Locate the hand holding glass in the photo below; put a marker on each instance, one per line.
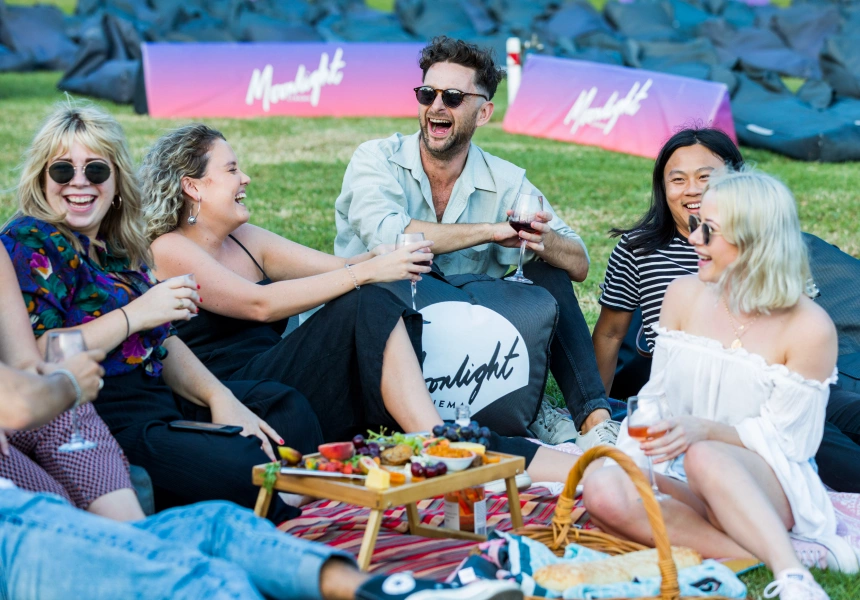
(525, 209)
(642, 413)
(403, 239)
(63, 345)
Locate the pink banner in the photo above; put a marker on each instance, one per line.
(262, 79)
(617, 108)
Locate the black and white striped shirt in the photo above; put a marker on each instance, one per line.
(634, 279)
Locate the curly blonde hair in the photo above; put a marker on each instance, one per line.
(183, 152)
(99, 132)
(759, 215)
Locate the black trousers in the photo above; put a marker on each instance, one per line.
(187, 467)
(838, 456)
(335, 361)
(572, 360)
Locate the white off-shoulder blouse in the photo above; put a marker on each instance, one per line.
(777, 413)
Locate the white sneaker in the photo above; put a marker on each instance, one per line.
(552, 427)
(602, 434)
(795, 584)
(832, 553)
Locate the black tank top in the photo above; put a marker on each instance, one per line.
(223, 343)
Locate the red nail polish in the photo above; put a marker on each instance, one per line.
(201, 300)
(281, 441)
(198, 286)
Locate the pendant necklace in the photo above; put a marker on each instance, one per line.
(739, 330)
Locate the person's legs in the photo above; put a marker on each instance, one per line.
(404, 392)
(98, 479)
(26, 474)
(838, 457)
(572, 361)
(355, 360)
(190, 466)
(278, 564)
(614, 506)
(52, 551)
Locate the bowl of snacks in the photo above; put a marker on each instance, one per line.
(455, 459)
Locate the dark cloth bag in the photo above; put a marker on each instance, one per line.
(486, 344)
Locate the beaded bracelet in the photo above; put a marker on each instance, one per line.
(79, 394)
(354, 280)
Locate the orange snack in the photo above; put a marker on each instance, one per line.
(491, 459)
(448, 452)
(397, 477)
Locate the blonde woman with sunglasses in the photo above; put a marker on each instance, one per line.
(743, 361)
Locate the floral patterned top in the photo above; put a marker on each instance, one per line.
(63, 288)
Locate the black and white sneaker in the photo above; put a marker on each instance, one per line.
(402, 586)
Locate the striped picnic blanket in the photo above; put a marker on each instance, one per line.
(342, 526)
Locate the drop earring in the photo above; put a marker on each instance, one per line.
(113, 202)
(192, 218)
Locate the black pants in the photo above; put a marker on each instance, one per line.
(838, 456)
(187, 467)
(572, 360)
(335, 361)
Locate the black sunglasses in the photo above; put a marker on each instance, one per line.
(426, 95)
(63, 171)
(707, 232)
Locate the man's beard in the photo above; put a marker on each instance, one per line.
(455, 143)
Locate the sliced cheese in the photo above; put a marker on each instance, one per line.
(378, 479)
(471, 446)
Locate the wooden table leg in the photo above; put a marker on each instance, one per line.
(514, 503)
(413, 517)
(374, 521)
(264, 498)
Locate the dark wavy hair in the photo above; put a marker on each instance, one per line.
(445, 49)
(657, 227)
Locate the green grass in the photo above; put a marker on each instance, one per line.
(297, 167)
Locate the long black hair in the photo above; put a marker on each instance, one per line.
(657, 227)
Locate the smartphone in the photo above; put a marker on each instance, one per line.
(205, 427)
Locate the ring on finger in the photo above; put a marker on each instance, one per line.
(181, 304)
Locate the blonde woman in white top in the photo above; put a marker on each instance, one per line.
(742, 363)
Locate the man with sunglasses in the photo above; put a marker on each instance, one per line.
(438, 182)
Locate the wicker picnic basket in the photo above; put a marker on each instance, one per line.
(561, 532)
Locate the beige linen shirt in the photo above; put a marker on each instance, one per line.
(385, 187)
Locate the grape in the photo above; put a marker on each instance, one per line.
(484, 441)
(431, 471)
(364, 451)
(452, 434)
(474, 425)
(484, 432)
(418, 470)
(467, 433)
(439, 430)
(358, 442)
(442, 468)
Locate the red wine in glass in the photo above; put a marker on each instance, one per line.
(522, 226)
(523, 212)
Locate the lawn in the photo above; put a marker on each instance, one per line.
(297, 166)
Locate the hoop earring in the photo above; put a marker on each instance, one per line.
(113, 202)
(192, 218)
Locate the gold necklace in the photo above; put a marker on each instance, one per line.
(740, 330)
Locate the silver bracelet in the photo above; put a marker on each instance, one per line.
(354, 280)
(79, 394)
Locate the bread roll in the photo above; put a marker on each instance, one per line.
(616, 569)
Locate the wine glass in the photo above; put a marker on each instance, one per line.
(410, 238)
(63, 345)
(642, 413)
(525, 208)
